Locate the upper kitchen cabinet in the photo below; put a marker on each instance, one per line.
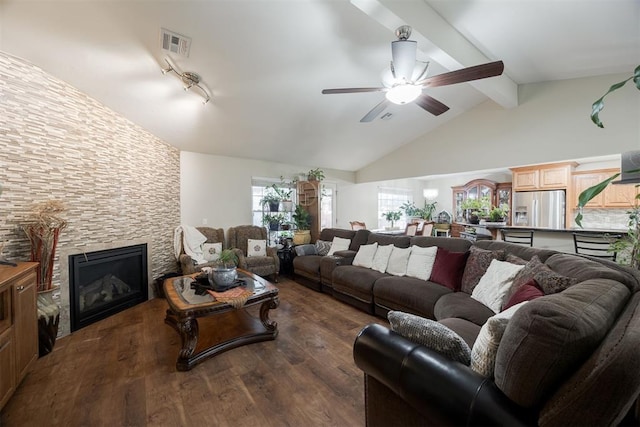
(613, 196)
(556, 176)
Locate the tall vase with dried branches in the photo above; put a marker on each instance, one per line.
(43, 227)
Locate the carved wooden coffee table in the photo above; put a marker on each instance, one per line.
(208, 327)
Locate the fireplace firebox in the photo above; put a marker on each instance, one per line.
(103, 283)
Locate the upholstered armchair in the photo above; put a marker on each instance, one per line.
(187, 264)
(238, 238)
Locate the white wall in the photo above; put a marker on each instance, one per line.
(551, 124)
(218, 188)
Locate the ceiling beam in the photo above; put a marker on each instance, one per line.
(441, 42)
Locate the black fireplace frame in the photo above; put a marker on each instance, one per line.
(79, 320)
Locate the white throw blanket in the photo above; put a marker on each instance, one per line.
(191, 239)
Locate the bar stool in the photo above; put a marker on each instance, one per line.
(595, 244)
(521, 237)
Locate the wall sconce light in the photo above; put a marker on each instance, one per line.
(190, 80)
(430, 193)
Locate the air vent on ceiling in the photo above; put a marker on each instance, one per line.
(174, 42)
(386, 116)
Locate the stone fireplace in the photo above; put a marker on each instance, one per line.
(102, 283)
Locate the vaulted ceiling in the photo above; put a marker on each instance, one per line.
(266, 62)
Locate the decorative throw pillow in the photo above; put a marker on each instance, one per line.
(527, 292)
(211, 251)
(322, 247)
(339, 244)
(477, 264)
(485, 348)
(421, 262)
(552, 282)
(495, 283)
(448, 268)
(256, 248)
(381, 258)
(431, 334)
(525, 275)
(364, 257)
(398, 259)
(306, 249)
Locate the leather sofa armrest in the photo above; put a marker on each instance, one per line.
(432, 383)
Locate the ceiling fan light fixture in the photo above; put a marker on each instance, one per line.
(402, 94)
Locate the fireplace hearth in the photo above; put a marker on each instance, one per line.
(105, 282)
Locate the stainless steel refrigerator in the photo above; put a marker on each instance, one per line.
(545, 209)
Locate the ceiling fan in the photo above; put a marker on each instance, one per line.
(406, 79)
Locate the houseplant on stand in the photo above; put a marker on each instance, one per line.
(302, 221)
(43, 226)
(271, 199)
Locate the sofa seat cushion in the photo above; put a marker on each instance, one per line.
(258, 261)
(408, 294)
(355, 281)
(467, 330)
(308, 266)
(550, 337)
(461, 305)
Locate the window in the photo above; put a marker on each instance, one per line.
(327, 205)
(259, 187)
(390, 199)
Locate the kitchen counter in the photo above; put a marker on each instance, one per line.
(494, 226)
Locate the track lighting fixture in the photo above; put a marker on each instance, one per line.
(189, 79)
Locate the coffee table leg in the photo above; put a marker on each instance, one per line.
(187, 327)
(270, 304)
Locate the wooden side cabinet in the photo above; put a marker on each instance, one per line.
(18, 325)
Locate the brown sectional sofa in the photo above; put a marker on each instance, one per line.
(315, 271)
(569, 358)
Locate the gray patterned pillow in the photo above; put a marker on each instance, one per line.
(431, 334)
(322, 247)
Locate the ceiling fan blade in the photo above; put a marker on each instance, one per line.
(476, 72)
(354, 90)
(431, 105)
(375, 111)
(403, 53)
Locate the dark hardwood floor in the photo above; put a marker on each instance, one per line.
(121, 372)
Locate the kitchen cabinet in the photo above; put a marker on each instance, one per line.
(556, 176)
(613, 196)
(18, 325)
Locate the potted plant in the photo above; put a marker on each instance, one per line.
(410, 210)
(284, 190)
(273, 221)
(473, 209)
(392, 217)
(428, 210)
(632, 239)
(224, 273)
(302, 220)
(498, 214)
(43, 226)
(272, 199)
(315, 175)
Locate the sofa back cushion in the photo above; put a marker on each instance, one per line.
(524, 252)
(328, 234)
(452, 244)
(385, 239)
(603, 389)
(550, 337)
(360, 238)
(583, 269)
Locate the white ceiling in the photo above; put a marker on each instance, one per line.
(266, 63)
